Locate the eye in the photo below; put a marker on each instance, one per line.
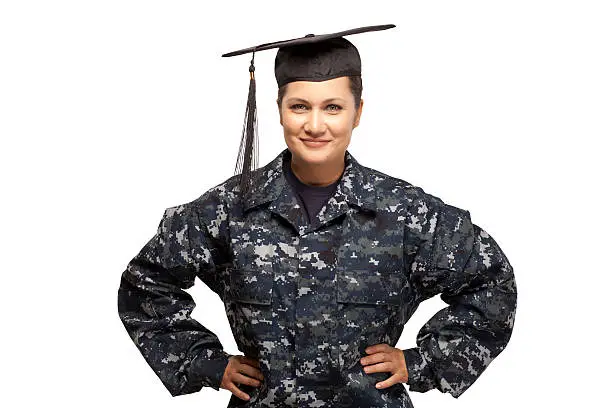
(298, 106)
(334, 106)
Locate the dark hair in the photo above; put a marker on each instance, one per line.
(354, 83)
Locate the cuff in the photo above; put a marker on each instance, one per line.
(420, 375)
(207, 368)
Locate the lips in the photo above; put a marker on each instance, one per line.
(314, 144)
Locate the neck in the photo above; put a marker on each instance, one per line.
(318, 175)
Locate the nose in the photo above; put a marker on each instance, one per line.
(315, 123)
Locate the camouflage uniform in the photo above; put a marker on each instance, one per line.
(307, 299)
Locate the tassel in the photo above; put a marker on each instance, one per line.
(247, 161)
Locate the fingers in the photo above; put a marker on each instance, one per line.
(375, 358)
(238, 378)
(250, 371)
(242, 370)
(377, 354)
(379, 368)
(243, 379)
(250, 361)
(237, 392)
(394, 379)
(378, 348)
(384, 358)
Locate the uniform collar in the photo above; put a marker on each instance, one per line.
(355, 186)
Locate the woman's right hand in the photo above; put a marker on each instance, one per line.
(235, 372)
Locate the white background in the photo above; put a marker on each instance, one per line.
(112, 111)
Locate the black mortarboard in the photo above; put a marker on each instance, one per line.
(309, 58)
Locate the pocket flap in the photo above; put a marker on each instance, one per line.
(364, 286)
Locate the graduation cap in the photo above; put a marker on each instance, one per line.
(309, 58)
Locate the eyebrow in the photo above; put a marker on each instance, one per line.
(295, 99)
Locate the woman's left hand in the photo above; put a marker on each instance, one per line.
(384, 358)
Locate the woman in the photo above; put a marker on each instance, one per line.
(320, 264)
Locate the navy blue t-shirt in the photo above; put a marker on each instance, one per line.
(312, 198)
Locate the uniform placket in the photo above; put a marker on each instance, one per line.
(316, 369)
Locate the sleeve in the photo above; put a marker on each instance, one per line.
(155, 309)
(463, 263)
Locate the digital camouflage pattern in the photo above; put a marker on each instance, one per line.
(306, 300)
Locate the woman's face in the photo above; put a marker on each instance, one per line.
(323, 112)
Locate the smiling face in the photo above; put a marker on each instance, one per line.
(318, 119)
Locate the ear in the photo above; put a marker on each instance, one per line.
(280, 115)
(358, 114)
